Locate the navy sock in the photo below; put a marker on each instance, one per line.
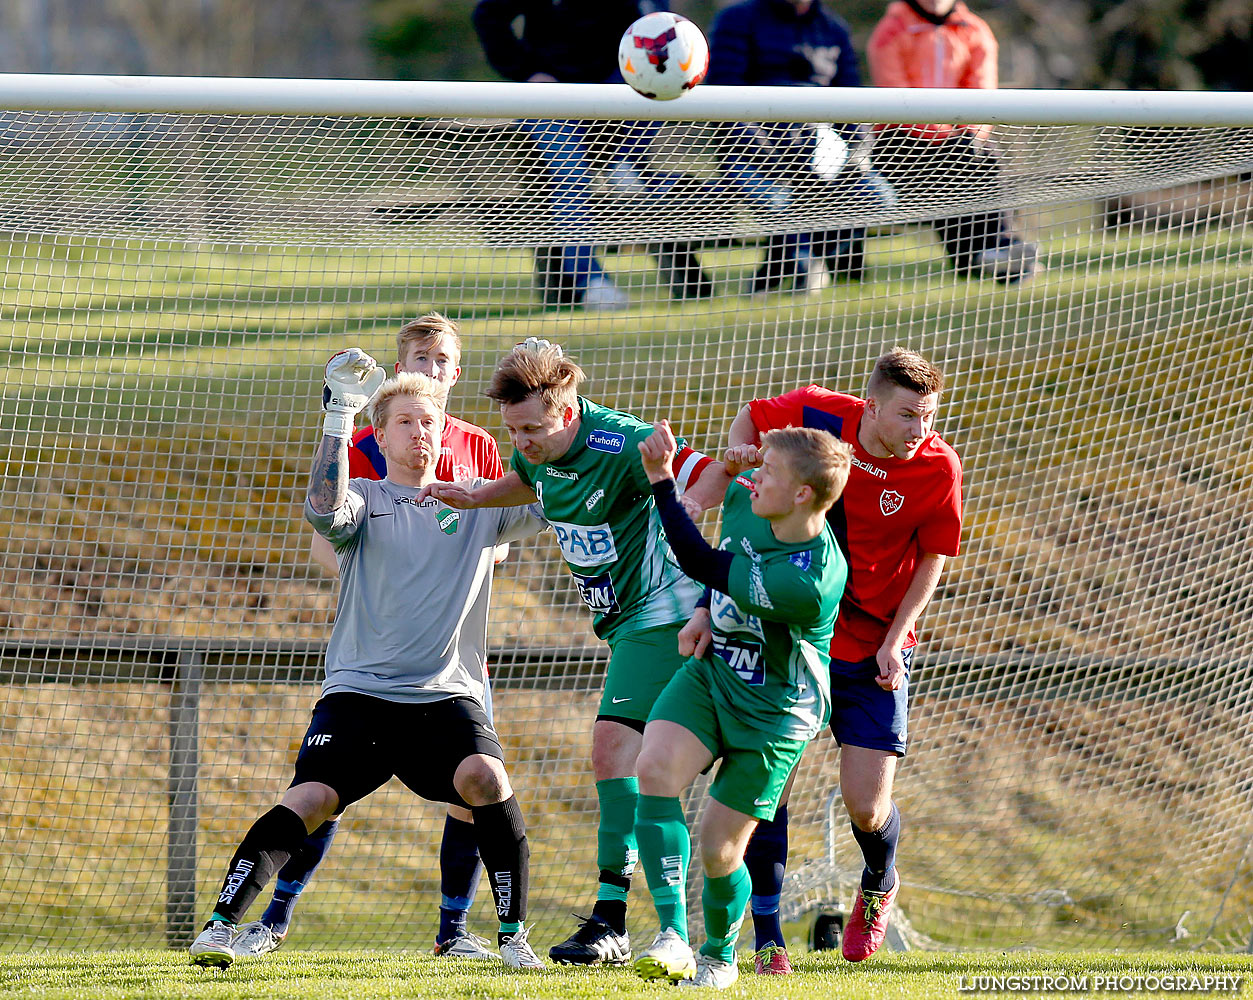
(766, 860)
(459, 873)
(295, 875)
(878, 847)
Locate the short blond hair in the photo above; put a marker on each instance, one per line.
(906, 369)
(818, 459)
(411, 384)
(427, 330)
(546, 371)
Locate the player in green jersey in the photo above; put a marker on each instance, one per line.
(755, 690)
(581, 461)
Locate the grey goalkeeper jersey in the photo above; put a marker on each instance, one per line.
(415, 583)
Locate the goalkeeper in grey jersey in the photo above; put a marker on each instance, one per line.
(405, 667)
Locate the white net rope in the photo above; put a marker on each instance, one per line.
(172, 285)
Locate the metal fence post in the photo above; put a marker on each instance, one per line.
(184, 732)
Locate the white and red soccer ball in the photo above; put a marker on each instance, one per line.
(663, 56)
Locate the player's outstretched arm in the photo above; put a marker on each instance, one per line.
(696, 557)
(743, 430)
(352, 378)
(328, 481)
(918, 595)
(710, 488)
(508, 491)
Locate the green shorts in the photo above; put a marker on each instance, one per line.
(641, 664)
(755, 765)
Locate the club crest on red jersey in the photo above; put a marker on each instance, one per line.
(890, 502)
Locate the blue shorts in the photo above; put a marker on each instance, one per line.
(862, 713)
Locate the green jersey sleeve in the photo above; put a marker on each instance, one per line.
(776, 591)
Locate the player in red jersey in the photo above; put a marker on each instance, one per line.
(429, 345)
(898, 520)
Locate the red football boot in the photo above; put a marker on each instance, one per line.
(772, 961)
(869, 923)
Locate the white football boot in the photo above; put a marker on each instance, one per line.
(668, 957)
(516, 952)
(713, 973)
(256, 939)
(463, 944)
(212, 946)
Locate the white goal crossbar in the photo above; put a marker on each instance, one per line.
(383, 98)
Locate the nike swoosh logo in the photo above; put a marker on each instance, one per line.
(386, 513)
(684, 65)
(618, 701)
(761, 802)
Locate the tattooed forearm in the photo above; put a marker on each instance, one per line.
(328, 482)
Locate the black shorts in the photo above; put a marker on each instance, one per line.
(355, 743)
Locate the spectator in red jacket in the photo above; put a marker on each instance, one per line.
(940, 43)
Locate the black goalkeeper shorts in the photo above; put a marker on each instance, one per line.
(355, 743)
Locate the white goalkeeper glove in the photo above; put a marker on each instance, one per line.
(537, 345)
(352, 379)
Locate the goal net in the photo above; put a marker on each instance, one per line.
(173, 282)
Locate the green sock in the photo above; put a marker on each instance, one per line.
(509, 928)
(665, 849)
(616, 848)
(724, 899)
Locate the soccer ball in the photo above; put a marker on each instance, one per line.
(662, 55)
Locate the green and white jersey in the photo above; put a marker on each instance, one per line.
(772, 630)
(599, 503)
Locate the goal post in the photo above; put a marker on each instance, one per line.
(607, 102)
(181, 255)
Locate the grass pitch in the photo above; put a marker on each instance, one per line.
(319, 975)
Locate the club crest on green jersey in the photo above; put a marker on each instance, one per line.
(447, 521)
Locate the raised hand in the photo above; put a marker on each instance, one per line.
(740, 458)
(351, 380)
(657, 452)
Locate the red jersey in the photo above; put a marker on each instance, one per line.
(467, 452)
(891, 512)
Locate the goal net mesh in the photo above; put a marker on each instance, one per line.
(1081, 723)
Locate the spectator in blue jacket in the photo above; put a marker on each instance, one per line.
(576, 41)
(787, 43)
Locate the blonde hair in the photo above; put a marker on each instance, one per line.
(427, 330)
(526, 371)
(411, 384)
(907, 369)
(819, 460)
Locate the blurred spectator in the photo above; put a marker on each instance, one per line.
(940, 43)
(788, 43)
(576, 41)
